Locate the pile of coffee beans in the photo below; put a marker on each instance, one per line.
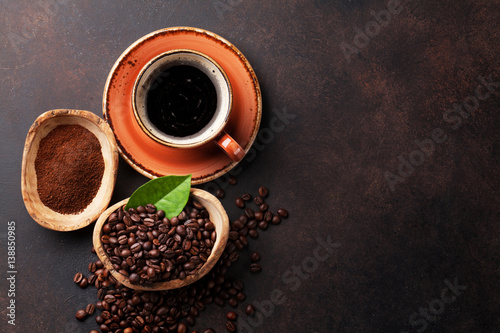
(146, 246)
(123, 310)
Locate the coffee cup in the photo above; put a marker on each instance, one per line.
(182, 98)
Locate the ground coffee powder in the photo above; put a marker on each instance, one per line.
(69, 167)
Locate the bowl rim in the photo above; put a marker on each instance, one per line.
(221, 242)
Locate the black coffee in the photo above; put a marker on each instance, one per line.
(182, 101)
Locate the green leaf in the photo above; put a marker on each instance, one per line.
(169, 193)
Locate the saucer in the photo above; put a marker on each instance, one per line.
(153, 159)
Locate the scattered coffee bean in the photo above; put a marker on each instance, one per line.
(258, 200)
(263, 191)
(78, 278)
(254, 257)
(230, 326)
(250, 310)
(246, 197)
(92, 279)
(231, 315)
(240, 296)
(276, 219)
(233, 302)
(283, 213)
(209, 330)
(92, 267)
(268, 216)
(240, 203)
(233, 180)
(263, 225)
(238, 285)
(254, 267)
(249, 213)
(83, 283)
(81, 315)
(220, 193)
(264, 207)
(181, 328)
(90, 309)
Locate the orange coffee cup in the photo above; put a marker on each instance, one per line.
(176, 106)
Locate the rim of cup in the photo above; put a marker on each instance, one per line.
(216, 124)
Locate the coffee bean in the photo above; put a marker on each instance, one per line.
(233, 235)
(134, 278)
(90, 309)
(78, 278)
(136, 247)
(238, 285)
(220, 193)
(249, 213)
(151, 272)
(209, 330)
(250, 310)
(240, 296)
(94, 331)
(263, 191)
(259, 216)
(240, 203)
(237, 225)
(283, 213)
(233, 302)
(263, 225)
(253, 233)
(181, 328)
(263, 207)
(258, 200)
(101, 293)
(276, 219)
(106, 229)
(81, 315)
(83, 283)
(231, 315)
(92, 267)
(243, 218)
(252, 224)
(254, 257)
(233, 180)
(99, 320)
(255, 267)
(150, 208)
(230, 326)
(268, 216)
(246, 197)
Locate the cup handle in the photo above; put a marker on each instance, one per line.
(230, 147)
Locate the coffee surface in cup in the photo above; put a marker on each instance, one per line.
(181, 101)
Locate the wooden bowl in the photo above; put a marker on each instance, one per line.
(217, 215)
(45, 123)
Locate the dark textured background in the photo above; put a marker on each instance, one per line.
(353, 118)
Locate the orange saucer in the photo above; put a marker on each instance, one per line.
(153, 159)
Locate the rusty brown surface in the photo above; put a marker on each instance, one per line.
(336, 123)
